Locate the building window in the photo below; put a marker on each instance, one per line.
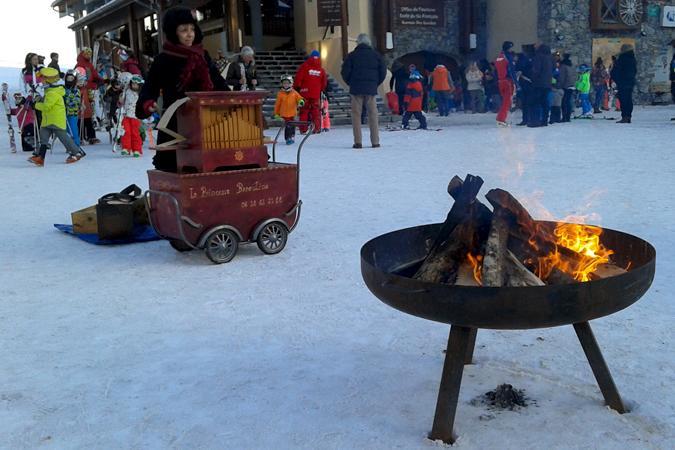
(616, 14)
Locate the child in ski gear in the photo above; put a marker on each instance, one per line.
(131, 141)
(442, 87)
(557, 95)
(286, 106)
(413, 101)
(583, 86)
(54, 118)
(325, 114)
(25, 117)
(72, 100)
(310, 81)
(87, 131)
(111, 99)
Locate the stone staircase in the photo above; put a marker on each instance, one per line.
(272, 65)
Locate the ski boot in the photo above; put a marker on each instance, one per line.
(37, 160)
(74, 158)
(136, 154)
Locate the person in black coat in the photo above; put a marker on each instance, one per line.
(398, 83)
(364, 70)
(248, 80)
(623, 74)
(182, 66)
(524, 75)
(542, 77)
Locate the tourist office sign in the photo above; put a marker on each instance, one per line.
(420, 13)
(329, 13)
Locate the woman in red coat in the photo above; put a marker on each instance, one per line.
(310, 81)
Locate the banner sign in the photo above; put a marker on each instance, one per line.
(420, 13)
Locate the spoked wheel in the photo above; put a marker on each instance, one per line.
(179, 245)
(272, 238)
(221, 246)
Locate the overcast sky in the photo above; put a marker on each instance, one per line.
(32, 26)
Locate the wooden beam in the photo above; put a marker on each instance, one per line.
(232, 25)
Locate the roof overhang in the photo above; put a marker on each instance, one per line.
(112, 15)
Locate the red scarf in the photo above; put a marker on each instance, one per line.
(195, 75)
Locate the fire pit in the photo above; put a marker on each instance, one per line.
(389, 264)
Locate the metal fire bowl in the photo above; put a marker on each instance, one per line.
(389, 261)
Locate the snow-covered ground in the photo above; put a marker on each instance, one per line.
(139, 346)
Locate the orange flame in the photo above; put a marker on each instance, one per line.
(477, 265)
(582, 239)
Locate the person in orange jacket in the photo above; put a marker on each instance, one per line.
(286, 107)
(442, 85)
(414, 93)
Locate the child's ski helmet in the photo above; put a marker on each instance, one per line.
(583, 68)
(415, 75)
(137, 79)
(288, 78)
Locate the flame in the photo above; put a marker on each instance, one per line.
(582, 239)
(476, 262)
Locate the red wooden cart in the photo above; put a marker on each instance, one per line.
(235, 196)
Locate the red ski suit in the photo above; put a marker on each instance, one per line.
(310, 80)
(505, 86)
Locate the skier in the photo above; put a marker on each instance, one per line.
(286, 106)
(413, 101)
(442, 87)
(111, 99)
(507, 81)
(131, 141)
(25, 117)
(54, 119)
(310, 80)
(72, 99)
(583, 86)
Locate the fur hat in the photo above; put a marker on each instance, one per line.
(176, 16)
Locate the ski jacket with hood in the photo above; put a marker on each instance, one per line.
(311, 79)
(567, 75)
(52, 106)
(363, 70)
(93, 78)
(413, 96)
(441, 80)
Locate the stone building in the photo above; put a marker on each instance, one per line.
(426, 32)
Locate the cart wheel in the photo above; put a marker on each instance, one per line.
(272, 238)
(221, 246)
(179, 245)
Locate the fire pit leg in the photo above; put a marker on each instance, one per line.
(451, 379)
(600, 369)
(472, 345)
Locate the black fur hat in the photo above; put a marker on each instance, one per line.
(176, 16)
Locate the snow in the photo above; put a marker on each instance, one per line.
(139, 346)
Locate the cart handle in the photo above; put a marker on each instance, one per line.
(295, 123)
(179, 217)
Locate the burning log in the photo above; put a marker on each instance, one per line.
(500, 266)
(607, 271)
(462, 232)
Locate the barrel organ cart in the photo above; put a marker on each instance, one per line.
(226, 190)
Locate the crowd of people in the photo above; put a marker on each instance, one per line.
(70, 106)
(543, 84)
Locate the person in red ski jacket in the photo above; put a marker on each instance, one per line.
(129, 63)
(84, 61)
(310, 81)
(414, 94)
(506, 77)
